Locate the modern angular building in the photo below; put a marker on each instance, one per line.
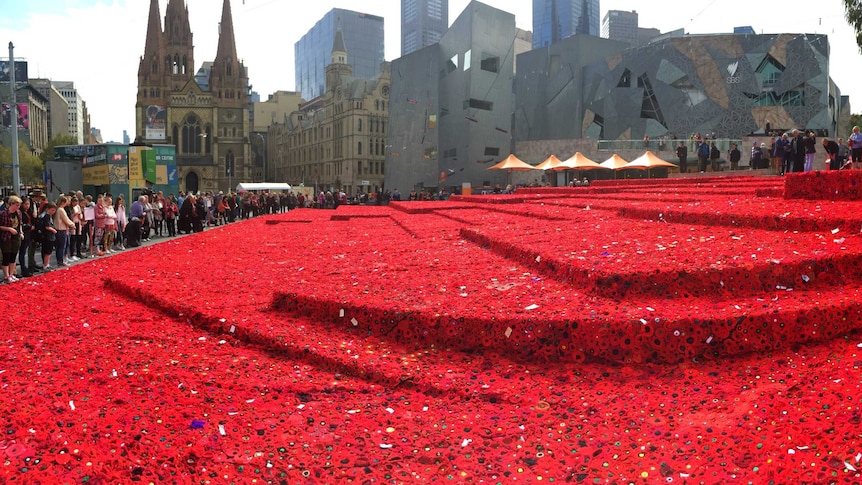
(423, 23)
(733, 85)
(554, 20)
(451, 105)
(362, 32)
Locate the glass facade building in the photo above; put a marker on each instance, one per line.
(363, 37)
(423, 23)
(554, 20)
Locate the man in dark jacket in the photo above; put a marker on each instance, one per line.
(682, 154)
(714, 155)
(735, 156)
(831, 148)
(797, 150)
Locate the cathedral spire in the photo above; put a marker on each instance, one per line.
(229, 80)
(179, 45)
(226, 43)
(154, 47)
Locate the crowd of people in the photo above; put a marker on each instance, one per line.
(77, 226)
(794, 151)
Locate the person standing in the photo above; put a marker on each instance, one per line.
(797, 148)
(854, 143)
(11, 236)
(110, 224)
(62, 224)
(27, 222)
(48, 234)
(810, 150)
(37, 200)
(77, 206)
(122, 220)
(757, 156)
(682, 154)
(171, 213)
(702, 155)
(714, 155)
(735, 155)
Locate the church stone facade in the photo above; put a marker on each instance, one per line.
(210, 127)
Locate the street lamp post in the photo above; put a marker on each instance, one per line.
(16, 176)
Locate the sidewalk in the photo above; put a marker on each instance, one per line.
(69, 262)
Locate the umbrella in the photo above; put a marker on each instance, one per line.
(648, 161)
(578, 162)
(551, 163)
(512, 163)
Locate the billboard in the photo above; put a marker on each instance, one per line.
(155, 124)
(21, 115)
(20, 71)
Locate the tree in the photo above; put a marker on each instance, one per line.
(59, 140)
(855, 120)
(30, 167)
(853, 14)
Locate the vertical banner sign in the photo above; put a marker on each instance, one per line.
(135, 164)
(149, 156)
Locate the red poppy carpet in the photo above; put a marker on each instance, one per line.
(697, 331)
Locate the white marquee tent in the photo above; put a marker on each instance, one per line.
(270, 186)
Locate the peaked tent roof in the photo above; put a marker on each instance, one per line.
(648, 160)
(578, 161)
(549, 164)
(512, 163)
(616, 162)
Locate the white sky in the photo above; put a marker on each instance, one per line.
(97, 43)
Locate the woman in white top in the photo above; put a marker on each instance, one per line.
(75, 232)
(122, 219)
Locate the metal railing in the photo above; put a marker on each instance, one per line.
(665, 145)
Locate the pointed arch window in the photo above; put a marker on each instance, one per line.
(185, 64)
(359, 149)
(176, 64)
(192, 135)
(229, 70)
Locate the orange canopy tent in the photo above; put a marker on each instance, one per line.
(648, 161)
(512, 163)
(616, 162)
(578, 161)
(551, 163)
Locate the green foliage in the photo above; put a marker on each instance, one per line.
(853, 14)
(855, 120)
(59, 140)
(30, 167)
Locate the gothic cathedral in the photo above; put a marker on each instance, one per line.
(205, 114)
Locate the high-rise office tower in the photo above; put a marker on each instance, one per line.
(361, 31)
(621, 25)
(554, 20)
(423, 23)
